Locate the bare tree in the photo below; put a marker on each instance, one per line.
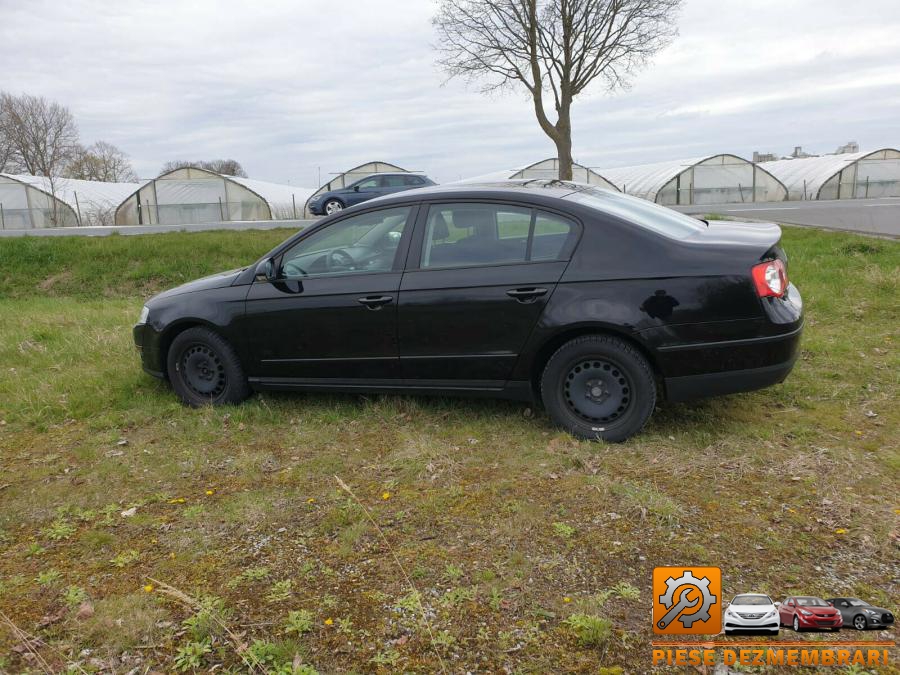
(101, 161)
(552, 48)
(226, 167)
(41, 134)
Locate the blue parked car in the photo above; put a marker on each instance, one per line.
(376, 185)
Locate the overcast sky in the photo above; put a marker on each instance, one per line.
(296, 87)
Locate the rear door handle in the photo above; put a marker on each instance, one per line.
(375, 301)
(525, 295)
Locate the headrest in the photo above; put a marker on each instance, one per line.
(439, 230)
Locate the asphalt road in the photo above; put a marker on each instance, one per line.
(156, 229)
(869, 216)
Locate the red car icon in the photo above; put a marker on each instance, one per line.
(805, 612)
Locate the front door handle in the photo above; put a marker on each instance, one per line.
(375, 302)
(526, 295)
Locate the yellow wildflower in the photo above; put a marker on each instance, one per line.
(148, 588)
(177, 500)
(211, 491)
(840, 530)
(567, 599)
(329, 621)
(311, 500)
(385, 495)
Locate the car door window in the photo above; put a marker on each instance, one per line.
(370, 183)
(554, 237)
(356, 245)
(394, 181)
(412, 180)
(477, 234)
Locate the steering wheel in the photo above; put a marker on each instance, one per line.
(339, 258)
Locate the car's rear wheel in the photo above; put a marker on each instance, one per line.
(599, 387)
(204, 369)
(859, 622)
(333, 206)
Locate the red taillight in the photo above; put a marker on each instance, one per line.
(770, 279)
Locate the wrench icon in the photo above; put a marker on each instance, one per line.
(683, 603)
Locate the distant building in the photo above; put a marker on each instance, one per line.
(764, 157)
(851, 146)
(798, 153)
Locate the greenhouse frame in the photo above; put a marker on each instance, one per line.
(546, 169)
(191, 195)
(35, 202)
(713, 179)
(852, 175)
(350, 176)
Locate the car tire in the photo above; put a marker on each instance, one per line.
(796, 624)
(205, 370)
(599, 387)
(332, 206)
(859, 622)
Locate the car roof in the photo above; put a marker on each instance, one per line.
(512, 188)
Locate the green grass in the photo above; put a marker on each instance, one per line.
(523, 543)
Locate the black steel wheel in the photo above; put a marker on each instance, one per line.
(597, 390)
(599, 387)
(204, 369)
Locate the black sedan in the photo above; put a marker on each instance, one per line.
(861, 615)
(364, 189)
(593, 302)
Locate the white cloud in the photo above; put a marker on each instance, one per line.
(293, 88)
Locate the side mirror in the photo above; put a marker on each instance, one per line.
(356, 188)
(778, 604)
(265, 271)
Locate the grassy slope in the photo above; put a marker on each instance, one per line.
(506, 526)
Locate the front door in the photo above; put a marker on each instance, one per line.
(332, 314)
(485, 273)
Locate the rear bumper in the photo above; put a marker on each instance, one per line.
(777, 355)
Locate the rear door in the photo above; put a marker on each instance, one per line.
(478, 278)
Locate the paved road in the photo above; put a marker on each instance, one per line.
(869, 216)
(156, 229)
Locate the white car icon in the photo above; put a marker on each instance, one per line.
(751, 611)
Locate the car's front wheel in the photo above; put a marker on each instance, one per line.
(796, 624)
(859, 622)
(599, 387)
(333, 206)
(204, 369)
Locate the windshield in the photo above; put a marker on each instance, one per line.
(751, 600)
(811, 602)
(857, 603)
(640, 212)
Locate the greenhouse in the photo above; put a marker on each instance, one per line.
(349, 177)
(547, 169)
(190, 195)
(30, 202)
(844, 176)
(714, 179)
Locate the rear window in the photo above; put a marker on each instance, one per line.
(640, 212)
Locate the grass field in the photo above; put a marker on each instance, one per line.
(138, 534)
